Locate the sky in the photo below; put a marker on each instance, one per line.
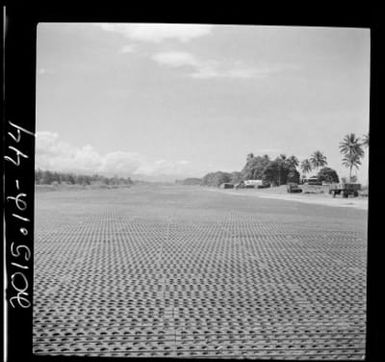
(167, 101)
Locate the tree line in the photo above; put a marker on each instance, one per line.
(277, 172)
(46, 177)
(283, 169)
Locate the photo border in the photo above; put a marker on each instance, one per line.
(19, 126)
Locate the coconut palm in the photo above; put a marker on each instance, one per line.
(365, 140)
(318, 159)
(306, 166)
(350, 161)
(281, 161)
(352, 151)
(351, 145)
(292, 162)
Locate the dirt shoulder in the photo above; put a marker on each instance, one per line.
(280, 193)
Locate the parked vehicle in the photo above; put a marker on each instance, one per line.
(345, 189)
(226, 186)
(292, 187)
(253, 183)
(313, 181)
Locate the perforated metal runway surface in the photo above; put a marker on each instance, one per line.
(184, 272)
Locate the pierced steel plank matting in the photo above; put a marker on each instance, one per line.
(133, 275)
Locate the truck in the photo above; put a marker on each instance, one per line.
(345, 189)
(226, 185)
(252, 184)
(313, 181)
(292, 187)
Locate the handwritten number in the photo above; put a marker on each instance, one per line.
(20, 203)
(21, 290)
(18, 154)
(20, 217)
(19, 281)
(17, 139)
(16, 253)
(23, 301)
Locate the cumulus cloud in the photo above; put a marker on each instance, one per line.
(199, 68)
(116, 162)
(157, 32)
(208, 68)
(129, 48)
(54, 154)
(57, 155)
(176, 59)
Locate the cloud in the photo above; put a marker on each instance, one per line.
(56, 155)
(176, 59)
(206, 69)
(158, 32)
(119, 161)
(200, 68)
(130, 48)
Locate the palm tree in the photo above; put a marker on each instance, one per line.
(351, 145)
(365, 140)
(351, 149)
(353, 160)
(292, 162)
(282, 159)
(306, 166)
(318, 159)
